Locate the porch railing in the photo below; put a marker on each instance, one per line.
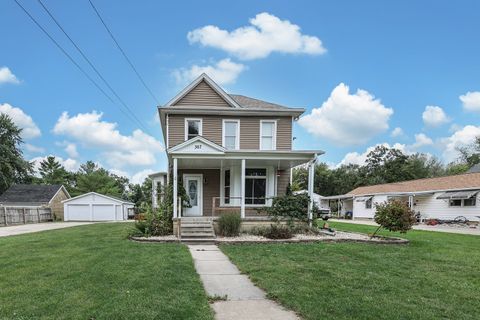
(234, 205)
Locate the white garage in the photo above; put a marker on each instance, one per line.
(93, 206)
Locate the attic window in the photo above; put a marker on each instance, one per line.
(193, 128)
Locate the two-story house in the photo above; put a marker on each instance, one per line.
(230, 152)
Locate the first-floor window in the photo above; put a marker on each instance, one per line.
(368, 204)
(455, 203)
(226, 189)
(255, 186)
(471, 202)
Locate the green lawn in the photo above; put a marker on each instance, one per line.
(93, 272)
(436, 276)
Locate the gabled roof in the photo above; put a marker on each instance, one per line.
(100, 195)
(465, 181)
(184, 147)
(30, 193)
(204, 78)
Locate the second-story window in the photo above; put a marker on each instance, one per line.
(231, 134)
(193, 128)
(268, 130)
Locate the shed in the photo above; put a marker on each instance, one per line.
(94, 206)
(36, 196)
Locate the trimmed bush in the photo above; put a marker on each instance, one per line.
(278, 231)
(229, 224)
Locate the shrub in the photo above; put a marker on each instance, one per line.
(229, 224)
(289, 206)
(278, 231)
(394, 215)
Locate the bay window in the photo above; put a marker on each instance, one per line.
(268, 130)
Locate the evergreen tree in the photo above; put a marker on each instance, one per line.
(13, 168)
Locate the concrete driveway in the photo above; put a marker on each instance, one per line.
(37, 227)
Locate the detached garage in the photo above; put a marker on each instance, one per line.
(93, 206)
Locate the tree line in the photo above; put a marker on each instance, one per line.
(14, 169)
(384, 165)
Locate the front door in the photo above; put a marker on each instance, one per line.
(193, 184)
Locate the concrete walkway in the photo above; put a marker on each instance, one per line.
(221, 278)
(437, 228)
(37, 227)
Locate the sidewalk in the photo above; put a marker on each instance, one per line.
(437, 228)
(37, 227)
(222, 279)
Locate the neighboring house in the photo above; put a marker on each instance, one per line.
(94, 206)
(474, 169)
(322, 204)
(159, 180)
(230, 152)
(434, 198)
(36, 196)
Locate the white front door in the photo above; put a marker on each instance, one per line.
(193, 184)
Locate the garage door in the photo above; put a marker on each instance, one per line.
(78, 212)
(103, 212)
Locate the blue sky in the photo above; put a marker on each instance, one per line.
(411, 61)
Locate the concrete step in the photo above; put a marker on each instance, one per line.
(196, 225)
(196, 229)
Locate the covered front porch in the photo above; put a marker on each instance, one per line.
(220, 181)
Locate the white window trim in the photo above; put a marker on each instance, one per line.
(266, 187)
(462, 203)
(200, 129)
(274, 138)
(237, 138)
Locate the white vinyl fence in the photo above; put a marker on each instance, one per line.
(19, 215)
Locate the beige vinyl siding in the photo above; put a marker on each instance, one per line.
(282, 182)
(249, 130)
(202, 95)
(56, 204)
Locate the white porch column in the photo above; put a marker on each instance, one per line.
(311, 175)
(175, 187)
(242, 190)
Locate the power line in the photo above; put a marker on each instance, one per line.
(64, 52)
(123, 52)
(93, 66)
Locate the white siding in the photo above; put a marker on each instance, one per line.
(95, 207)
(359, 210)
(432, 208)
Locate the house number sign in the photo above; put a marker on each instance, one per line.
(198, 147)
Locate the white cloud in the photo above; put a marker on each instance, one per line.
(22, 120)
(461, 138)
(119, 173)
(434, 116)
(265, 35)
(397, 132)
(71, 150)
(360, 158)
(68, 164)
(140, 176)
(223, 72)
(118, 150)
(421, 140)
(471, 101)
(6, 76)
(348, 119)
(34, 149)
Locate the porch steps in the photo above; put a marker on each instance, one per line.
(198, 230)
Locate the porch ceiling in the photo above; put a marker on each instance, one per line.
(209, 163)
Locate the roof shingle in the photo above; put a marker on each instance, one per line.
(456, 182)
(247, 102)
(29, 193)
